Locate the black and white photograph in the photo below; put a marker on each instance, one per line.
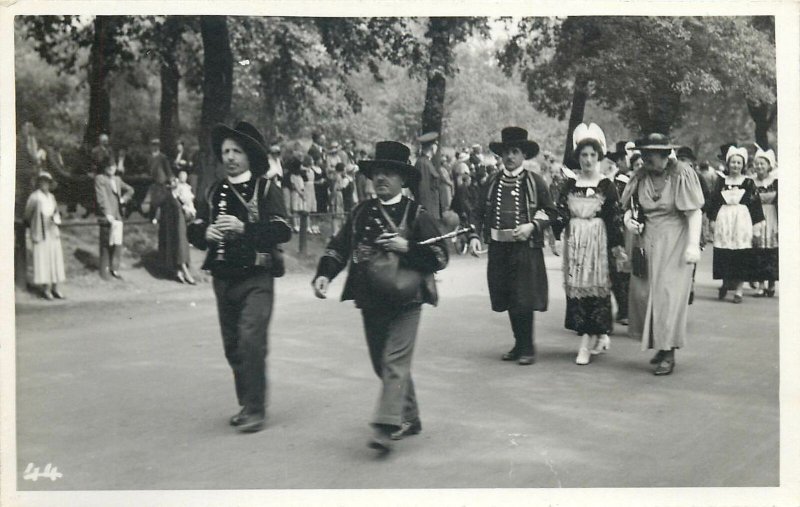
(345, 253)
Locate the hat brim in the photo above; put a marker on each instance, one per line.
(409, 172)
(529, 148)
(657, 147)
(256, 153)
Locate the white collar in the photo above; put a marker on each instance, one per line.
(240, 178)
(393, 200)
(513, 173)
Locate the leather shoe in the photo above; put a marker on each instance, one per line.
(511, 355)
(237, 419)
(251, 423)
(525, 360)
(116, 274)
(658, 357)
(665, 367)
(407, 429)
(737, 298)
(381, 439)
(722, 292)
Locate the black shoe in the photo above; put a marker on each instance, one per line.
(526, 360)
(116, 274)
(769, 292)
(511, 355)
(658, 357)
(407, 429)
(251, 423)
(665, 367)
(722, 292)
(381, 439)
(238, 418)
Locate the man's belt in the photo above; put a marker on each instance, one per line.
(503, 235)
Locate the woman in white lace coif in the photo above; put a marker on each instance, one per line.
(736, 217)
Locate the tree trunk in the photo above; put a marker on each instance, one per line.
(764, 115)
(440, 58)
(580, 95)
(217, 92)
(99, 120)
(170, 78)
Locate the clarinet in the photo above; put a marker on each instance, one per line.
(223, 210)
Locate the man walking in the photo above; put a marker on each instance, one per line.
(390, 277)
(514, 211)
(241, 224)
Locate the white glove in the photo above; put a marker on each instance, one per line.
(631, 224)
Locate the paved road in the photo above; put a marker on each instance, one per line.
(136, 394)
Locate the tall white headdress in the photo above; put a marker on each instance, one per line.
(592, 131)
(733, 150)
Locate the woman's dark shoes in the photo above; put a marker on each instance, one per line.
(58, 295)
(251, 422)
(737, 298)
(407, 429)
(381, 438)
(665, 367)
(47, 295)
(511, 355)
(658, 357)
(722, 293)
(769, 292)
(526, 360)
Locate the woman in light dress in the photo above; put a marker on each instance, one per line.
(736, 217)
(43, 219)
(766, 245)
(663, 201)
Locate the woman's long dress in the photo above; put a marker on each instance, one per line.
(592, 228)
(48, 257)
(173, 243)
(657, 308)
(734, 208)
(766, 247)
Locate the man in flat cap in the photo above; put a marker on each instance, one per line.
(241, 223)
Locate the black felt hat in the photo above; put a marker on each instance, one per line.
(392, 155)
(248, 137)
(515, 137)
(685, 152)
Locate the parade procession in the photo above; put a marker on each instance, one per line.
(331, 272)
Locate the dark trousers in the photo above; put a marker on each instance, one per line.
(391, 334)
(522, 325)
(245, 307)
(110, 255)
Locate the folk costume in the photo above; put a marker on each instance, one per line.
(244, 267)
(390, 315)
(515, 272)
(734, 209)
(766, 245)
(590, 217)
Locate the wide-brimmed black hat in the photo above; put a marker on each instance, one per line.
(246, 135)
(393, 155)
(655, 142)
(619, 153)
(515, 137)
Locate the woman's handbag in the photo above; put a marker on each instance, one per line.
(387, 275)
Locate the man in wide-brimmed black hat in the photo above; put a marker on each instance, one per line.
(512, 215)
(241, 223)
(389, 291)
